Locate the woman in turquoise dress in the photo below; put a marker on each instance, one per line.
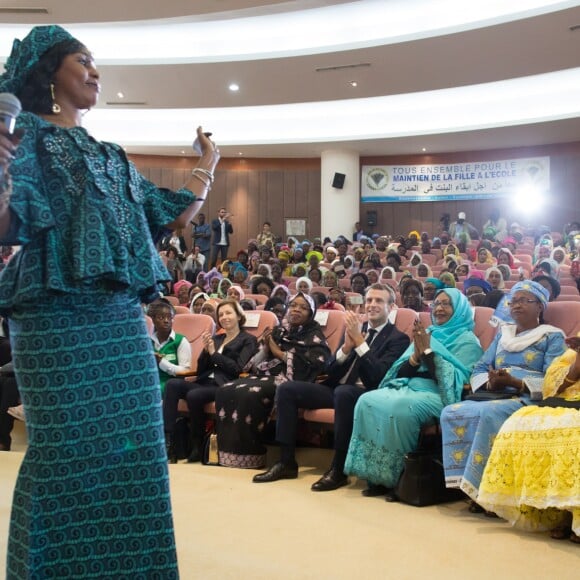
(515, 363)
(92, 495)
(429, 375)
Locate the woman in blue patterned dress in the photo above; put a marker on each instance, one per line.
(92, 496)
(515, 363)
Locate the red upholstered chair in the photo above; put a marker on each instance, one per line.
(173, 299)
(258, 320)
(192, 326)
(483, 330)
(568, 291)
(405, 319)
(333, 325)
(181, 309)
(258, 298)
(565, 315)
(568, 298)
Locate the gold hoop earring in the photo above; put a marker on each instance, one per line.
(55, 105)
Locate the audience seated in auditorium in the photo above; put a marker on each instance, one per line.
(222, 359)
(532, 476)
(358, 366)
(427, 376)
(296, 350)
(514, 365)
(172, 351)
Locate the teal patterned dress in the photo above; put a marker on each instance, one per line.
(92, 496)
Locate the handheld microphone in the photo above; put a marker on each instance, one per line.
(10, 108)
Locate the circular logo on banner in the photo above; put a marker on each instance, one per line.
(377, 178)
(534, 170)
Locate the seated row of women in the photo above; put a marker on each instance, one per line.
(424, 384)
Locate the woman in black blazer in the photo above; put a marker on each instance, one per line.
(222, 359)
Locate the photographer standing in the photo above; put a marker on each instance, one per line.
(222, 229)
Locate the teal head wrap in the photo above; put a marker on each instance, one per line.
(27, 52)
(461, 320)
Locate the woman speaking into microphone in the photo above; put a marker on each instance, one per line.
(92, 495)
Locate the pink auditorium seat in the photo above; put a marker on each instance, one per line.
(258, 298)
(565, 315)
(333, 325)
(192, 326)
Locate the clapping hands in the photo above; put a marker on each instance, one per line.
(208, 343)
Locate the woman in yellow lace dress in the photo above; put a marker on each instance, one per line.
(532, 478)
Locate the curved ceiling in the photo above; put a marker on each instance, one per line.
(429, 75)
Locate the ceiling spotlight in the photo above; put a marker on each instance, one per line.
(353, 83)
(120, 95)
(183, 152)
(234, 87)
(240, 153)
(423, 149)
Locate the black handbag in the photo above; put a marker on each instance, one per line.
(210, 453)
(558, 402)
(422, 482)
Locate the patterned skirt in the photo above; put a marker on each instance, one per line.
(469, 429)
(243, 409)
(532, 478)
(92, 496)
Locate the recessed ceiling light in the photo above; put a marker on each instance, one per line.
(240, 153)
(234, 87)
(353, 83)
(182, 152)
(120, 95)
(423, 149)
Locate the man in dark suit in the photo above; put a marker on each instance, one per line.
(358, 366)
(221, 229)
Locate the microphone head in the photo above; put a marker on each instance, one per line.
(9, 105)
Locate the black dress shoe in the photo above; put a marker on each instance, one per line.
(374, 490)
(331, 480)
(277, 471)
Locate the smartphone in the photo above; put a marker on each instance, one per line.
(196, 144)
(355, 299)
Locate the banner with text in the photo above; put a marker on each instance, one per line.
(452, 181)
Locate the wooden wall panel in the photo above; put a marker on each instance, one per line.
(258, 190)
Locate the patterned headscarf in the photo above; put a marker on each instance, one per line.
(308, 299)
(533, 288)
(27, 52)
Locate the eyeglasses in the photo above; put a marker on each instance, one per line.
(516, 301)
(443, 304)
(469, 295)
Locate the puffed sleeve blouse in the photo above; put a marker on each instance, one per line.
(87, 221)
